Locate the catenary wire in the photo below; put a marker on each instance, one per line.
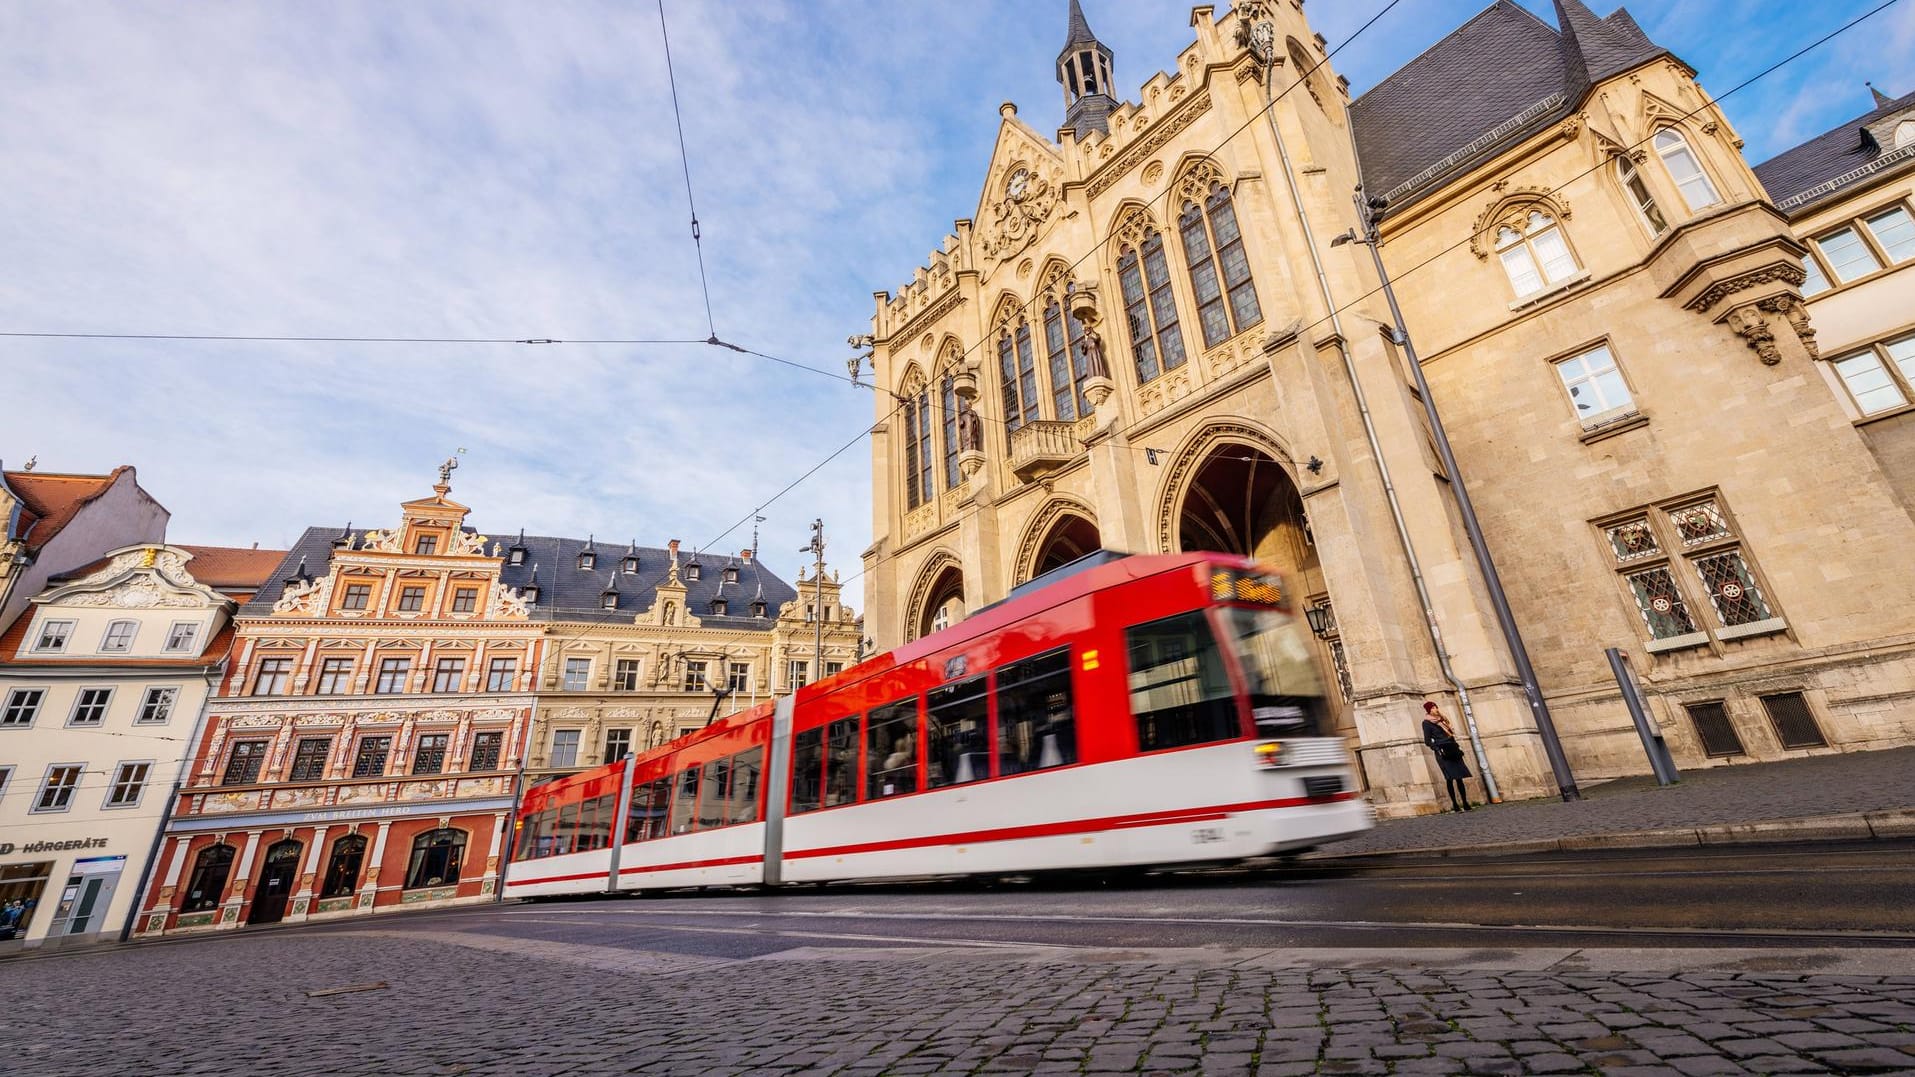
(684, 159)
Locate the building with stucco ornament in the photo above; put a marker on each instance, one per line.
(1154, 333)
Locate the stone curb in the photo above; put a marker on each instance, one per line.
(1887, 825)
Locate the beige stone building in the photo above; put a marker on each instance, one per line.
(1154, 335)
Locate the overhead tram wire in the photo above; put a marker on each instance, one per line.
(269, 338)
(684, 159)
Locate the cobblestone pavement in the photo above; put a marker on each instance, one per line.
(466, 1003)
(1792, 789)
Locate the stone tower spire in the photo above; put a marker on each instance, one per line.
(1083, 69)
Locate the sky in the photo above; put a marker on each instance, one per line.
(511, 170)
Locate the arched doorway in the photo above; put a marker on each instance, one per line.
(1069, 538)
(276, 880)
(945, 605)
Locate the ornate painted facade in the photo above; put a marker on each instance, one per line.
(1155, 333)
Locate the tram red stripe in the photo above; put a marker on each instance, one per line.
(1072, 826)
(718, 862)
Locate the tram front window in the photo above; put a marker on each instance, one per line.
(1286, 694)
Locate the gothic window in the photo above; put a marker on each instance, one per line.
(1156, 341)
(1300, 63)
(1679, 560)
(1064, 345)
(1639, 196)
(1219, 270)
(951, 404)
(1017, 374)
(1685, 169)
(208, 881)
(435, 859)
(342, 870)
(917, 446)
(1534, 253)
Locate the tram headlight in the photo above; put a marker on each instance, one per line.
(1270, 753)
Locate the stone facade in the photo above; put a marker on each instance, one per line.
(1145, 339)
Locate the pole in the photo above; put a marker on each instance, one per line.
(153, 854)
(818, 603)
(1505, 619)
(1660, 762)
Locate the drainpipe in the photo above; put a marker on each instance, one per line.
(1369, 430)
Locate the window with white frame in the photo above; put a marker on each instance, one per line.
(1685, 169)
(157, 706)
(565, 747)
(1679, 559)
(449, 675)
(502, 674)
(738, 677)
(578, 674)
(56, 789)
(6, 776)
(1639, 196)
(1894, 232)
(697, 673)
(23, 706)
(797, 672)
(1596, 389)
(272, 676)
(129, 781)
(90, 707)
(1534, 253)
(1880, 377)
(54, 635)
(181, 636)
(625, 674)
(119, 637)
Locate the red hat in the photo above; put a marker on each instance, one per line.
(1428, 705)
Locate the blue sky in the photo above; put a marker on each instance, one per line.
(510, 169)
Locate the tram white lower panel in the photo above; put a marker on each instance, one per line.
(573, 873)
(731, 856)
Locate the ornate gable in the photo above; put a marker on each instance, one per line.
(139, 577)
(1022, 189)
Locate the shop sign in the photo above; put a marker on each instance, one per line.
(7, 847)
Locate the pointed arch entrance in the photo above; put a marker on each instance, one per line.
(937, 600)
(1060, 532)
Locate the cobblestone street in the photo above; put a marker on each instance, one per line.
(459, 1003)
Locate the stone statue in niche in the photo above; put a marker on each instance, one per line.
(1094, 365)
(970, 430)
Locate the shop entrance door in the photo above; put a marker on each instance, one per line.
(275, 883)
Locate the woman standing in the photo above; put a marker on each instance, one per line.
(1449, 755)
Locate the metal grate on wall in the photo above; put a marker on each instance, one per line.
(1713, 726)
(1794, 723)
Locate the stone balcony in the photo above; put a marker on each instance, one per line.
(1041, 447)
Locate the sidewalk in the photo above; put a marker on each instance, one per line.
(1858, 795)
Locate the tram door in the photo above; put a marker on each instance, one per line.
(275, 883)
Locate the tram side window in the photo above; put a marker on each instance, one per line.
(841, 771)
(1036, 729)
(595, 827)
(685, 800)
(1179, 692)
(565, 835)
(807, 771)
(587, 827)
(959, 748)
(713, 806)
(645, 819)
(891, 750)
(535, 840)
(746, 770)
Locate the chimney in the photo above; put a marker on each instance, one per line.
(745, 556)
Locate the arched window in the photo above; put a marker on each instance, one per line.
(917, 447)
(953, 408)
(1064, 344)
(1639, 196)
(1300, 63)
(435, 859)
(1905, 134)
(1536, 256)
(1156, 343)
(207, 884)
(342, 869)
(1017, 374)
(1219, 271)
(1685, 169)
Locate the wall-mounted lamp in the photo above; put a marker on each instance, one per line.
(1323, 622)
(1314, 466)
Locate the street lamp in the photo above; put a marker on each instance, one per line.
(1322, 622)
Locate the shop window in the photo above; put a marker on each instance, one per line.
(435, 859)
(1036, 726)
(207, 883)
(342, 868)
(891, 750)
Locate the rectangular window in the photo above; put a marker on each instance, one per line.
(465, 600)
(157, 707)
(1036, 729)
(129, 781)
(565, 748)
(1714, 728)
(1869, 382)
(578, 674)
(891, 750)
(426, 545)
(958, 749)
(272, 677)
(1902, 354)
(412, 599)
(1647, 549)
(392, 676)
(357, 597)
(449, 675)
(1179, 691)
(1731, 588)
(119, 636)
(370, 760)
(695, 675)
(807, 771)
(181, 636)
(1596, 388)
(430, 756)
(6, 776)
(738, 677)
(309, 759)
(1794, 723)
(1895, 231)
(797, 673)
(54, 636)
(243, 762)
(841, 761)
(56, 791)
(714, 795)
(1814, 281)
(23, 705)
(832, 669)
(502, 675)
(90, 707)
(747, 771)
(625, 675)
(1660, 602)
(618, 745)
(485, 751)
(335, 676)
(1848, 255)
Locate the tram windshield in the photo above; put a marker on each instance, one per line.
(1286, 694)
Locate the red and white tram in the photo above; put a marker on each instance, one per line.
(1122, 711)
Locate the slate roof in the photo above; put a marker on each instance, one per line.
(1828, 156)
(567, 592)
(1497, 79)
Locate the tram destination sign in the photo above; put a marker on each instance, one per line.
(1248, 587)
